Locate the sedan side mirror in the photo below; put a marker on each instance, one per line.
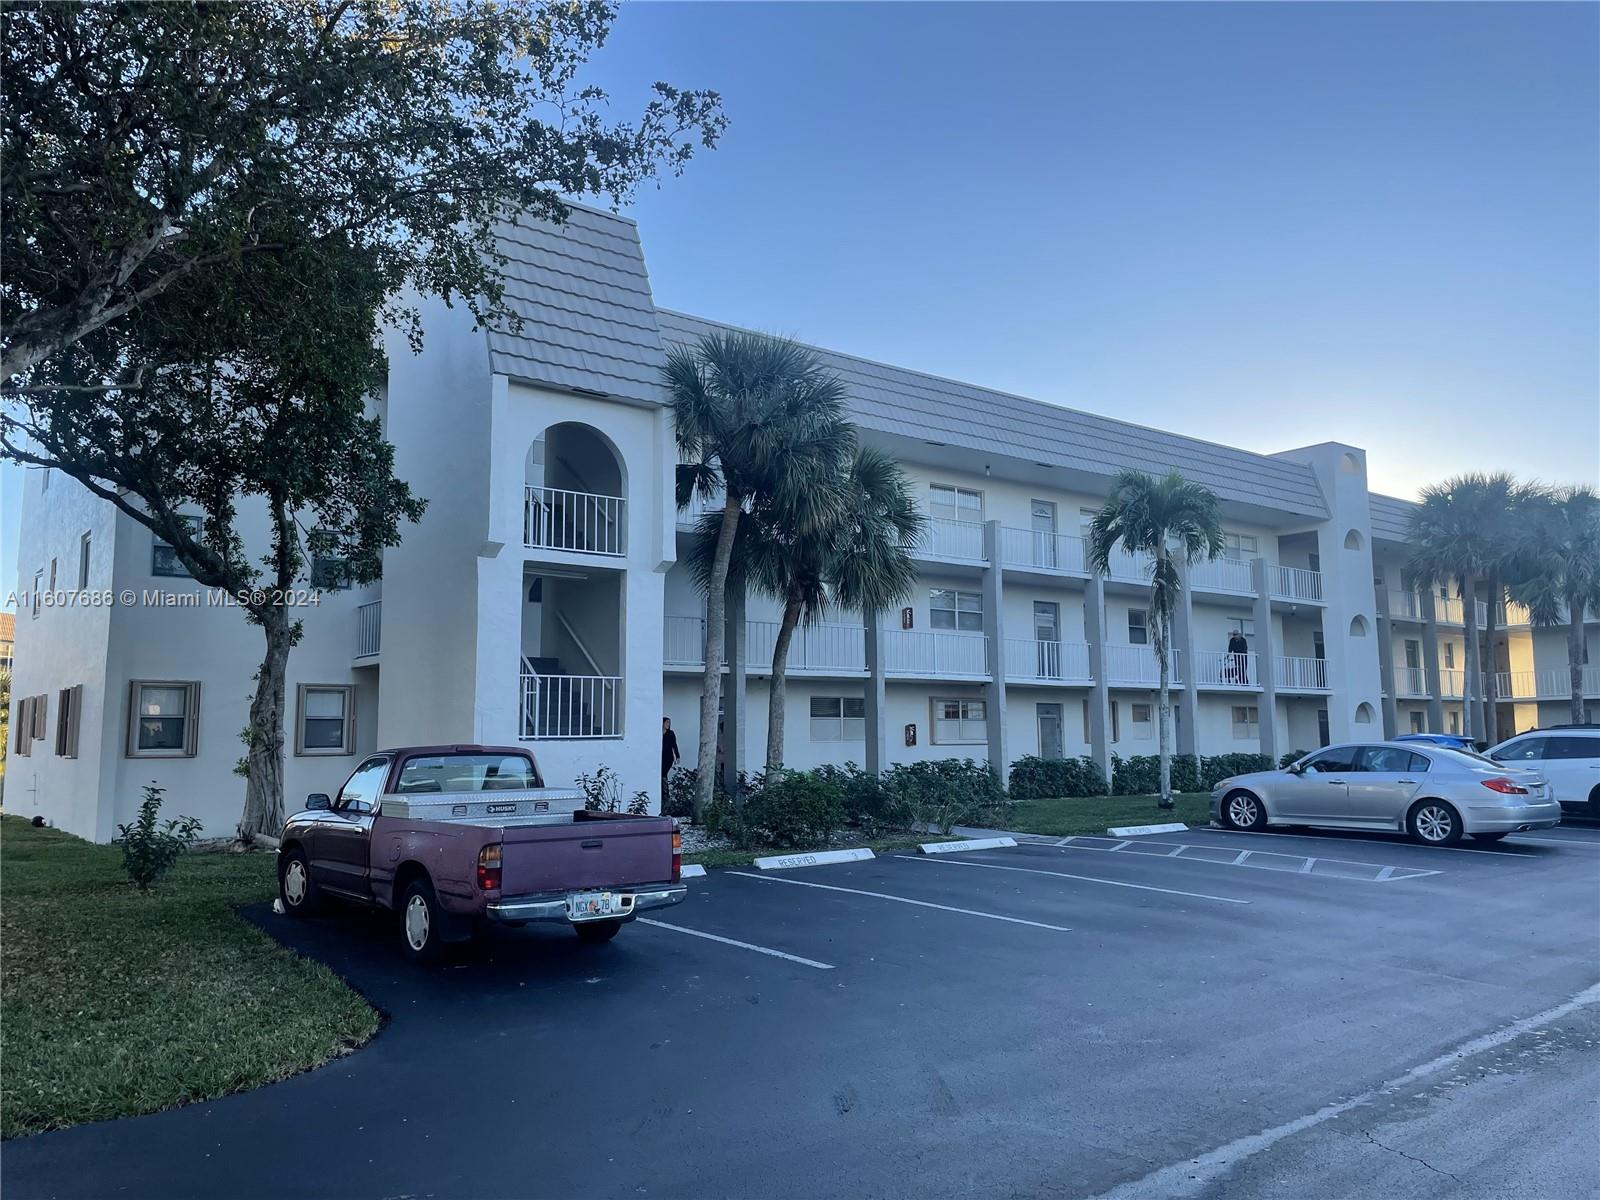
(1295, 769)
(318, 800)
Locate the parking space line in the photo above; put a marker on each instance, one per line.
(969, 912)
(1362, 841)
(727, 941)
(1554, 841)
(1143, 887)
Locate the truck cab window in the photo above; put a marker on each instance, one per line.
(360, 794)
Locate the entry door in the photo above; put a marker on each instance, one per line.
(1050, 736)
(1047, 637)
(1413, 654)
(1383, 784)
(1321, 790)
(1044, 533)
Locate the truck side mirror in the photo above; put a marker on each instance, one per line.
(318, 800)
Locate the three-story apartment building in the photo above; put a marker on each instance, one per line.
(541, 596)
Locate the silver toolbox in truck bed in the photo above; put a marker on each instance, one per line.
(524, 807)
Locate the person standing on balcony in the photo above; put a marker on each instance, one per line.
(669, 756)
(1238, 664)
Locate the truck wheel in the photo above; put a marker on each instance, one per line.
(592, 933)
(299, 896)
(421, 923)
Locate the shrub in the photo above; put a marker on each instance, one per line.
(946, 792)
(1214, 770)
(149, 845)
(1034, 778)
(870, 804)
(1293, 756)
(681, 787)
(787, 809)
(602, 791)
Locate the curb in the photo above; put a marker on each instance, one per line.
(1136, 830)
(692, 871)
(993, 843)
(785, 862)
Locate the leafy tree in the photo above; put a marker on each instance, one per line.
(1557, 569)
(1171, 520)
(758, 421)
(151, 846)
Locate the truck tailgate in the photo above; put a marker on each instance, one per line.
(617, 853)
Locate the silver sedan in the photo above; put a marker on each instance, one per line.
(1433, 793)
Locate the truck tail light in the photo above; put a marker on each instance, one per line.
(677, 854)
(1506, 787)
(489, 868)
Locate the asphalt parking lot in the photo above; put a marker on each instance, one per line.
(1197, 1014)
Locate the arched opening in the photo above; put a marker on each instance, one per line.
(576, 491)
(1349, 464)
(1363, 713)
(1353, 540)
(1358, 626)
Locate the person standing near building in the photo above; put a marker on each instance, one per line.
(669, 756)
(1238, 663)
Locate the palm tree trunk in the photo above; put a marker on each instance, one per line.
(776, 698)
(1164, 712)
(1575, 609)
(1491, 720)
(711, 678)
(1469, 688)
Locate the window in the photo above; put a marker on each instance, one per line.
(1246, 722)
(1449, 656)
(69, 707)
(1573, 747)
(1331, 762)
(1527, 750)
(1240, 545)
(949, 503)
(1138, 628)
(361, 790)
(1245, 625)
(1319, 648)
(838, 719)
(163, 719)
(1413, 658)
(164, 559)
(1389, 760)
(329, 573)
(1322, 727)
(38, 586)
(83, 563)
(952, 609)
(1116, 722)
(1416, 722)
(1314, 562)
(1142, 724)
(1455, 722)
(959, 722)
(327, 719)
(445, 773)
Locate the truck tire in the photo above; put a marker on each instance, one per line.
(422, 923)
(592, 933)
(297, 894)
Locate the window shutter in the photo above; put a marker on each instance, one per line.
(41, 715)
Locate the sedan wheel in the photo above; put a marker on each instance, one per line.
(1434, 823)
(1241, 810)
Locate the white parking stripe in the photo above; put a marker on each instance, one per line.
(1296, 837)
(1517, 840)
(726, 941)
(1143, 887)
(1242, 858)
(828, 887)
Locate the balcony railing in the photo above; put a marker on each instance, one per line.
(1223, 575)
(1136, 666)
(1551, 683)
(1043, 551)
(943, 538)
(1129, 568)
(1449, 610)
(826, 647)
(570, 706)
(1028, 659)
(684, 642)
(1404, 605)
(554, 519)
(369, 628)
(1221, 669)
(1300, 674)
(1410, 682)
(947, 655)
(1513, 614)
(1294, 583)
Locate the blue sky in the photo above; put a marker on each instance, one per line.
(1261, 224)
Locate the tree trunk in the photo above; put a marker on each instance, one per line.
(1575, 609)
(776, 698)
(1491, 718)
(263, 791)
(1469, 686)
(1164, 711)
(711, 679)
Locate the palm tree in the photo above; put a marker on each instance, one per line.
(1559, 565)
(1503, 503)
(1456, 539)
(1171, 520)
(758, 421)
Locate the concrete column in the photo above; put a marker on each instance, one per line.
(1430, 661)
(1183, 642)
(1266, 649)
(994, 626)
(733, 694)
(1099, 698)
(1391, 718)
(877, 750)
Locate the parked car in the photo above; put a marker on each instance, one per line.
(1453, 741)
(451, 837)
(1434, 793)
(1567, 755)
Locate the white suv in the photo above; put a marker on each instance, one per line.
(1567, 755)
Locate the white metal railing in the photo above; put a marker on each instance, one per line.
(1447, 610)
(919, 652)
(825, 647)
(1222, 575)
(943, 538)
(1128, 567)
(1410, 681)
(1029, 658)
(1451, 680)
(1514, 614)
(1220, 668)
(1044, 551)
(1136, 665)
(369, 628)
(555, 519)
(1552, 683)
(1294, 583)
(1300, 674)
(1407, 606)
(570, 706)
(684, 642)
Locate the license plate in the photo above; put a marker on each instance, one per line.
(592, 906)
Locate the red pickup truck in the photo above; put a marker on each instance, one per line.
(450, 837)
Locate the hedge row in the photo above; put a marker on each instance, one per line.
(1040, 778)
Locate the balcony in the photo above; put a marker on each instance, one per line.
(1410, 683)
(1513, 615)
(1128, 568)
(369, 629)
(951, 541)
(1404, 605)
(1136, 666)
(570, 706)
(1223, 575)
(684, 642)
(1295, 584)
(1028, 660)
(1218, 670)
(1552, 683)
(1038, 550)
(1292, 674)
(918, 654)
(1449, 610)
(829, 649)
(582, 522)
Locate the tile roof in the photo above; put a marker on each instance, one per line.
(1391, 517)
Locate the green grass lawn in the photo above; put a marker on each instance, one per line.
(118, 1003)
(1067, 815)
